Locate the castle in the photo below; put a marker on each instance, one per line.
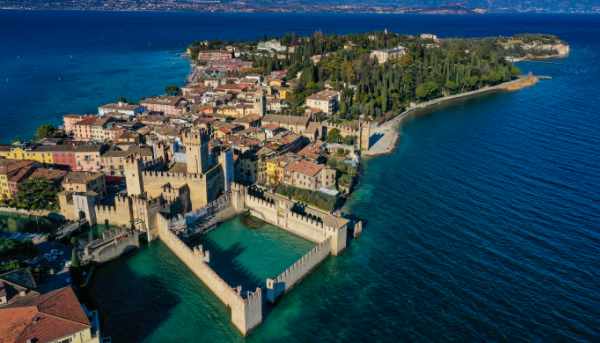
(246, 308)
(154, 200)
(150, 192)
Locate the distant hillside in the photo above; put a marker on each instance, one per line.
(490, 5)
(398, 6)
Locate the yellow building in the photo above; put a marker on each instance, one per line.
(271, 171)
(275, 168)
(31, 154)
(4, 189)
(284, 93)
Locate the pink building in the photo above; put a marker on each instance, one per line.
(169, 105)
(87, 157)
(70, 120)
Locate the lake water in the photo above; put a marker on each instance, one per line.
(482, 225)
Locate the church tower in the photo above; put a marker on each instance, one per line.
(133, 176)
(196, 150)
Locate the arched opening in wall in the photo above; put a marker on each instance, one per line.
(81, 215)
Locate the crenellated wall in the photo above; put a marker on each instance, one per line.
(296, 272)
(154, 181)
(118, 214)
(277, 211)
(306, 227)
(246, 309)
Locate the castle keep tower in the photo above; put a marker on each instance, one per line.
(196, 150)
(133, 176)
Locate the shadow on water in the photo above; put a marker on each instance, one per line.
(144, 302)
(223, 261)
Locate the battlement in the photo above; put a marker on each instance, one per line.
(342, 127)
(259, 201)
(238, 187)
(195, 136)
(283, 282)
(183, 177)
(246, 313)
(143, 201)
(253, 297)
(307, 220)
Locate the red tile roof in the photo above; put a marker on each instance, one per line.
(305, 167)
(44, 318)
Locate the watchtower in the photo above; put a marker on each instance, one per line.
(196, 150)
(133, 176)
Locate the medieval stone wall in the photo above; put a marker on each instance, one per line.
(154, 181)
(246, 311)
(297, 271)
(277, 211)
(119, 214)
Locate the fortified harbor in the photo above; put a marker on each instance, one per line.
(157, 202)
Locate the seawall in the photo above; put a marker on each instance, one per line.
(285, 281)
(246, 312)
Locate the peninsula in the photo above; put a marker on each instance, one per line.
(273, 130)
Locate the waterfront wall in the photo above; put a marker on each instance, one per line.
(305, 227)
(276, 210)
(296, 272)
(246, 310)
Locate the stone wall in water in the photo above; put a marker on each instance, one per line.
(297, 271)
(246, 312)
(277, 210)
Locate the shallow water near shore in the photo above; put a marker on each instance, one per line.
(481, 226)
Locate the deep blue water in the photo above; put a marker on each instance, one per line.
(482, 226)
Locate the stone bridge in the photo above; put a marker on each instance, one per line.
(112, 245)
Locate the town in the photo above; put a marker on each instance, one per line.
(272, 129)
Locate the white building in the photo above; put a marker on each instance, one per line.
(385, 55)
(121, 108)
(272, 45)
(325, 101)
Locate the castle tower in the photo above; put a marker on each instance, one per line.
(364, 135)
(133, 176)
(196, 150)
(238, 197)
(226, 162)
(160, 151)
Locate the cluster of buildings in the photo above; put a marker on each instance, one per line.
(137, 165)
(238, 121)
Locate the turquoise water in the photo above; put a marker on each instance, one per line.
(153, 286)
(481, 226)
(247, 256)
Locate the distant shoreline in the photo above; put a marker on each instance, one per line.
(389, 130)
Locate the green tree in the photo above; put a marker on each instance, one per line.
(122, 99)
(172, 90)
(427, 90)
(36, 194)
(334, 136)
(45, 131)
